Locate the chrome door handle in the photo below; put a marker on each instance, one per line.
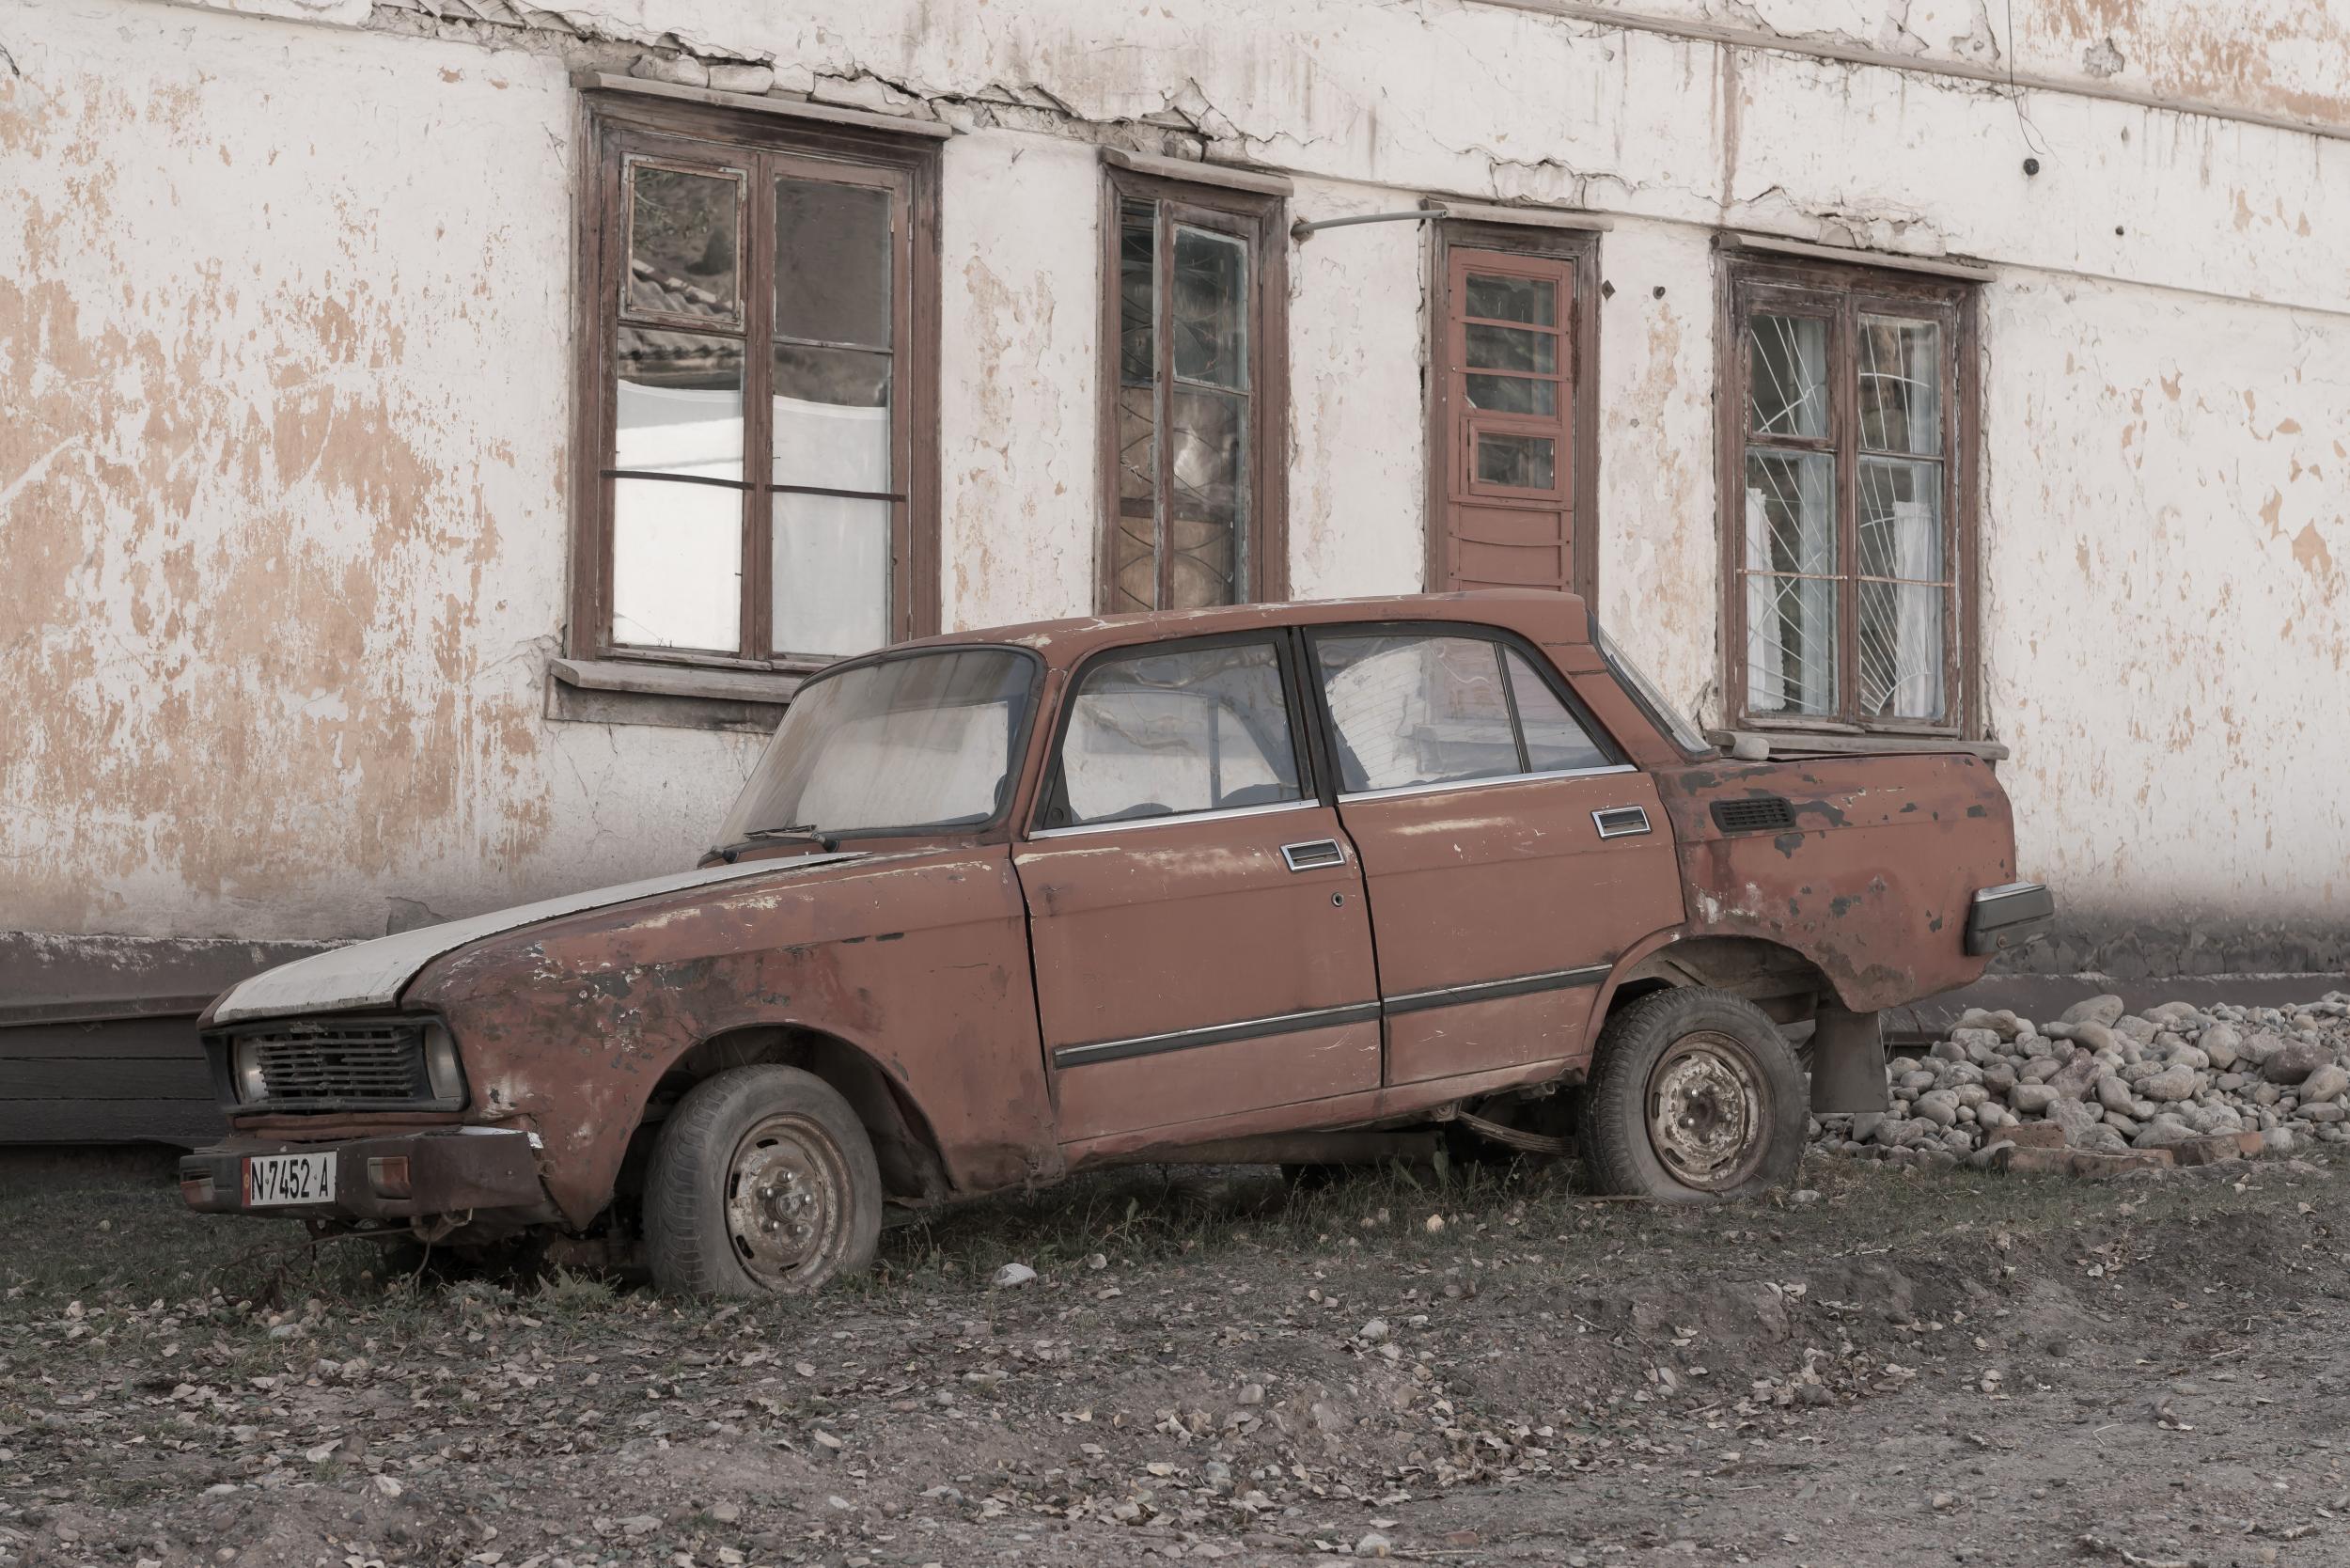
(1620, 821)
(1313, 855)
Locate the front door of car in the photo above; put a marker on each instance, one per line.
(1509, 852)
(1202, 948)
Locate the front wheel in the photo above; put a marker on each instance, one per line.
(1694, 1096)
(763, 1182)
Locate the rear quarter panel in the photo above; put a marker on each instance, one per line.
(1872, 882)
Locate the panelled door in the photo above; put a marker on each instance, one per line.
(1509, 852)
(1505, 423)
(1201, 942)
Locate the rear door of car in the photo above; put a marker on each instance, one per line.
(1202, 949)
(1508, 848)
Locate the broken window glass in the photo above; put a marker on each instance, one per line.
(1184, 414)
(685, 239)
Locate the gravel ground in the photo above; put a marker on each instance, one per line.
(1892, 1364)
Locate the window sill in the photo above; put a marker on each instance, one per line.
(679, 697)
(1757, 745)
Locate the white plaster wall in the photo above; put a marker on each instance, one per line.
(1020, 283)
(284, 326)
(285, 338)
(1358, 477)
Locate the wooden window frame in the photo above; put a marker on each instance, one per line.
(1577, 249)
(1262, 220)
(1844, 292)
(617, 127)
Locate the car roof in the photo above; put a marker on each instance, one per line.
(1538, 614)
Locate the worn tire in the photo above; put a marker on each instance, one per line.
(749, 1160)
(1739, 1097)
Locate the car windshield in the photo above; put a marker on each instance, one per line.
(1645, 692)
(920, 743)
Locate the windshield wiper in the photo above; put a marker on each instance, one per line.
(754, 836)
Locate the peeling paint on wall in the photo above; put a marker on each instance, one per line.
(283, 300)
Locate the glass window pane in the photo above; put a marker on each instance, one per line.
(1416, 710)
(1901, 520)
(832, 424)
(1512, 299)
(1209, 505)
(1137, 297)
(677, 565)
(919, 741)
(1495, 348)
(1791, 515)
(1210, 309)
(832, 263)
(1787, 375)
(684, 238)
(1164, 734)
(1901, 386)
(831, 575)
(1791, 645)
(1519, 462)
(1555, 739)
(1901, 650)
(1134, 558)
(680, 399)
(1513, 395)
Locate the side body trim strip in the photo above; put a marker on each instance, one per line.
(1327, 1017)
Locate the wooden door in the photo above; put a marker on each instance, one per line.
(1506, 423)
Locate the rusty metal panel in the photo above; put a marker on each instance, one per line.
(1505, 884)
(1143, 931)
(919, 961)
(1872, 882)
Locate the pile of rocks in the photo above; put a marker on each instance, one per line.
(2115, 1081)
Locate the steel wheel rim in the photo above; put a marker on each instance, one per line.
(1707, 1111)
(787, 1201)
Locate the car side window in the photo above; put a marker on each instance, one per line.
(1556, 741)
(1409, 711)
(1416, 710)
(1165, 734)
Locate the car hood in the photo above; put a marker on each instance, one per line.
(372, 974)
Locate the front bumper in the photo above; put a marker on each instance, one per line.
(483, 1171)
(2001, 920)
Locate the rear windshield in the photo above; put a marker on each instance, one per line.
(1659, 707)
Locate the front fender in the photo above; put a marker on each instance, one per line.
(919, 962)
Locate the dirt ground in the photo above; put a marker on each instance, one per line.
(1881, 1368)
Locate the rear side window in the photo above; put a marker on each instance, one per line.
(1169, 734)
(1408, 711)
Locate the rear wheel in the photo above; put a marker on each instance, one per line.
(763, 1182)
(1694, 1096)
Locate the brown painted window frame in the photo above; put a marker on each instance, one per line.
(1578, 250)
(1844, 292)
(1263, 219)
(619, 126)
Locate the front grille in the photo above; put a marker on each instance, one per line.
(346, 1065)
(1755, 814)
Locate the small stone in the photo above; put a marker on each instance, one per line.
(2097, 1010)
(2032, 1099)
(1436, 1223)
(2098, 1037)
(2170, 1084)
(1372, 1544)
(2222, 1045)
(1939, 1107)
(1802, 1196)
(388, 1487)
(2325, 1084)
(725, 1512)
(741, 76)
(2294, 1061)
(1012, 1275)
(2114, 1094)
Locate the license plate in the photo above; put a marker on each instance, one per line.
(274, 1179)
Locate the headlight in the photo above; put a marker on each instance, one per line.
(441, 1066)
(244, 1065)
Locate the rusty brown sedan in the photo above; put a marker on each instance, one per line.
(1308, 883)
